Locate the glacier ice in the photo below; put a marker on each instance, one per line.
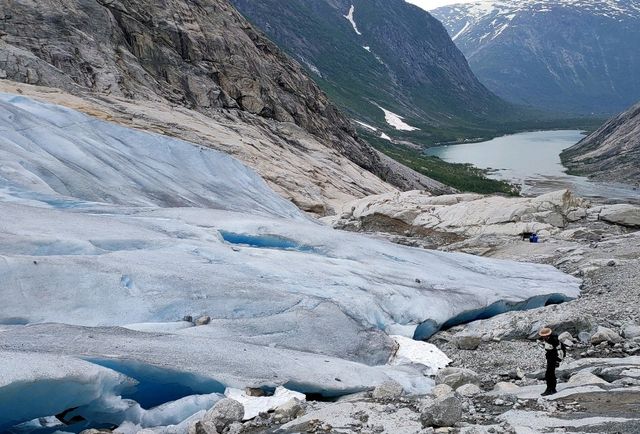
(104, 227)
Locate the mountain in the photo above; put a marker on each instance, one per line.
(575, 56)
(172, 55)
(612, 152)
(390, 64)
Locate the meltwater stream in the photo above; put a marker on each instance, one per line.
(532, 161)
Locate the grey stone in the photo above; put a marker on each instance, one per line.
(441, 390)
(604, 334)
(203, 320)
(224, 413)
(467, 341)
(631, 331)
(456, 377)
(388, 390)
(468, 390)
(442, 412)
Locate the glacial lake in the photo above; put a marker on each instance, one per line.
(532, 161)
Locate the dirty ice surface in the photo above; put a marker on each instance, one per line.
(103, 227)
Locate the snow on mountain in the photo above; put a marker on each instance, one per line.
(569, 55)
(103, 226)
(349, 17)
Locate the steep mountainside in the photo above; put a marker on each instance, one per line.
(572, 55)
(379, 59)
(200, 55)
(612, 152)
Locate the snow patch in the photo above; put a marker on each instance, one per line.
(367, 126)
(349, 17)
(254, 405)
(385, 136)
(367, 48)
(423, 353)
(396, 121)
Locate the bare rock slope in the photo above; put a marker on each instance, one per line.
(612, 152)
(202, 56)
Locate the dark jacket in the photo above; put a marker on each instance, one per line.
(555, 351)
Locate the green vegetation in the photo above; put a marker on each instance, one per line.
(463, 177)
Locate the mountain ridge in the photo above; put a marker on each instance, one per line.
(574, 56)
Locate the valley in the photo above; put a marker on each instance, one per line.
(328, 216)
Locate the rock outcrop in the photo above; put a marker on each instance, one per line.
(394, 56)
(203, 57)
(610, 153)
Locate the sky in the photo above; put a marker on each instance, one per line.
(432, 4)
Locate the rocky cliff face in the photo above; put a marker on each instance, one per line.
(371, 55)
(612, 152)
(577, 56)
(199, 55)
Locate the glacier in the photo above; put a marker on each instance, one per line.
(110, 237)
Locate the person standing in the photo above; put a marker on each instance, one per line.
(555, 352)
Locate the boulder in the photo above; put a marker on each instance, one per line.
(467, 341)
(456, 377)
(566, 339)
(291, 409)
(468, 390)
(621, 214)
(203, 427)
(441, 390)
(584, 378)
(203, 320)
(631, 331)
(442, 412)
(388, 390)
(604, 334)
(224, 413)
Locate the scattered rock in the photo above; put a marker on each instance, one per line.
(584, 378)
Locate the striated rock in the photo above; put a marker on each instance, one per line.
(604, 334)
(388, 390)
(460, 216)
(224, 413)
(621, 214)
(442, 412)
(203, 320)
(456, 377)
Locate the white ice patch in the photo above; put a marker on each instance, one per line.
(385, 136)
(367, 126)
(254, 405)
(423, 353)
(367, 48)
(396, 121)
(349, 17)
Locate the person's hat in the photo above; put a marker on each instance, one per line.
(545, 332)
